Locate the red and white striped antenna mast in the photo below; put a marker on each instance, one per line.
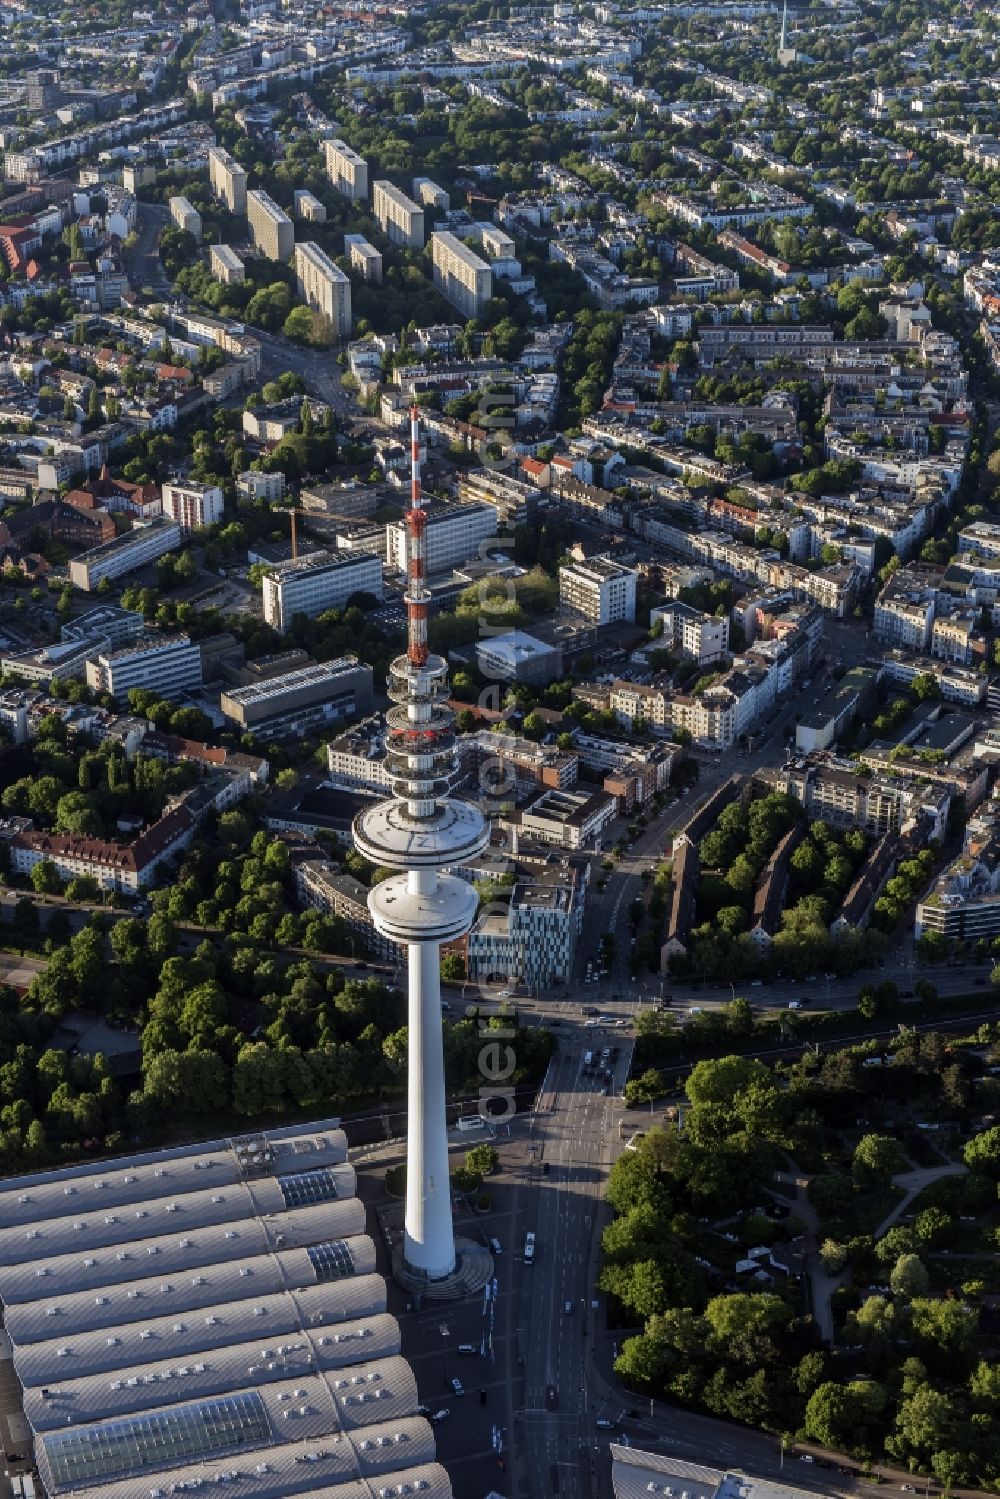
(416, 524)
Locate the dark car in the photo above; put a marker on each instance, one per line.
(552, 1397)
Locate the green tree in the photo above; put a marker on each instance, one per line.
(909, 1277)
(876, 1158)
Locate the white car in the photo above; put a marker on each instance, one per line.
(441, 1415)
(795, 1004)
(505, 994)
(458, 1387)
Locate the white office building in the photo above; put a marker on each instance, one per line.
(169, 664)
(323, 286)
(599, 589)
(124, 554)
(454, 534)
(312, 585)
(192, 505)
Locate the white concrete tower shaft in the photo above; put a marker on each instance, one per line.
(420, 832)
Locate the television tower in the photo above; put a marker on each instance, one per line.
(419, 832)
(786, 54)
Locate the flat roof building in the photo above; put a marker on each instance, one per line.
(364, 256)
(192, 505)
(312, 585)
(228, 179)
(186, 216)
(309, 207)
(124, 554)
(429, 194)
(169, 664)
(347, 171)
(270, 227)
(519, 657)
(460, 275)
(454, 533)
(599, 589)
(302, 702)
(323, 286)
(225, 265)
(401, 220)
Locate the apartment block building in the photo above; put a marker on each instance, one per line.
(322, 885)
(323, 286)
(356, 759)
(454, 533)
(309, 207)
(169, 664)
(271, 229)
(400, 219)
(311, 585)
(704, 637)
(963, 904)
(302, 702)
(831, 790)
(185, 216)
(364, 257)
(599, 589)
(192, 505)
(225, 265)
(429, 194)
(460, 275)
(228, 179)
(124, 554)
(347, 171)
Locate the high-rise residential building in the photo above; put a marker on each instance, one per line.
(400, 218)
(460, 275)
(43, 91)
(301, 702)
(364, 256)
(308, 207)
(169, 664)
(453, 534)
(228, 179)
(429, 194)
(124, 554)
(192, 505)
(600, 589)
(347, 171)
(311, 585)
(272, 230)
(323, 286)
(225, 265)
(186, 216)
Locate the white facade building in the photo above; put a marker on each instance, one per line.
(314, 584)
(192, 505)
(454, 533)
(599, 589)
(169, 664)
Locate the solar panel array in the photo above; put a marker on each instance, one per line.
(86, 1455)
(331, 1261)
(308, 1188)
